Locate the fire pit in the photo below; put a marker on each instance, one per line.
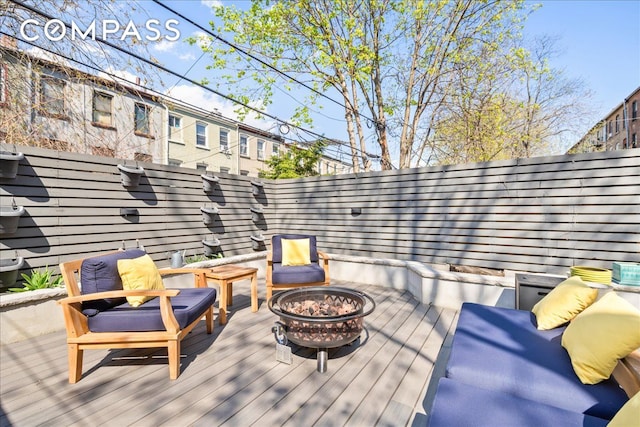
(320, 317)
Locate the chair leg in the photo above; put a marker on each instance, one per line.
(173, 350)
(75, 363)
(209, 319)
(269, 292)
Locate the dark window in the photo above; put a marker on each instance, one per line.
(634, 110)
(617, 123)
(244, 145)
(141, 118)
(52, 96)
(634, 141)
(102, 108)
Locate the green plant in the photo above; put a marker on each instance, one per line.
(38, 280)
(197, 258)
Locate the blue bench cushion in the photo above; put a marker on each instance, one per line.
(501, 349)
(189, 305)
(276, 246)
(463, 405)
(297, 274)
(100, 274)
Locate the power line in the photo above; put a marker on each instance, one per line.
(255, 58)
(176, 74)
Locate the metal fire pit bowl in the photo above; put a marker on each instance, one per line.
(320, 331)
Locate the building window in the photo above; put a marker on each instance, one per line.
(52, 96)
(275, 149)
(260, 149)
(244, 145)
(244, 172)
(175, 128)
(102, 108)
(609, 129)
(634, 110)
(4, 96)
(201, 166)
(101, 150)
(141, 119)
(224, 170)
(143, 157)
(175, 162)
(320, 167)
(634, 141)
(224, 140)
(617, 123)
(201, 134)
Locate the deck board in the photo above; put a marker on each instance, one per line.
(231, 377)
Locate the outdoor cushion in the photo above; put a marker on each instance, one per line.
(188, 305)
(563, 303)
(100, 274)
(501, 349)
(463, 405)
(276, 246)
(629, 415)
(139, 273)
(602, 334)
(297, 274)
(295, 252)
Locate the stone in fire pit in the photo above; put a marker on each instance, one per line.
(320, 317)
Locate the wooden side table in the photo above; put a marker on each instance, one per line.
(225, 276)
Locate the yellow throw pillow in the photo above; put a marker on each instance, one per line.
(607, 330)
(628, 415)
(296, 252)
(139, 273)
(563, 303)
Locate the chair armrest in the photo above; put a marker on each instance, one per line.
(118, 294)
(200, 278)
(323, 255)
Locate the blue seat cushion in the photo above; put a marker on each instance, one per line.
(502, 349)
(463, 405)
(100, 274)
(189, 305)
(296, 274)
(276, 246)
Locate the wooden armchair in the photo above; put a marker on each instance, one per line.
(279, 276)
(103, 319)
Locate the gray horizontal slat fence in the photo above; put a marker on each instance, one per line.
(541, 214)
(73, 203)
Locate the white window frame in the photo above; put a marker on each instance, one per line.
(275, 149)
(201, 137)
(260, 147)
(224, 140)
(244, 145)
(4, 91)
(175, 132)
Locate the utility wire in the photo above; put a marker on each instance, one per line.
(117, 79)
(167, 70)
(255, 58)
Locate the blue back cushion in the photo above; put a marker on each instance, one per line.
(276, 245)
(100, 274)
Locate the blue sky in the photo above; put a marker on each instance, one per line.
(599, 42)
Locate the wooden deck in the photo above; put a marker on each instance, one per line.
(232, 378)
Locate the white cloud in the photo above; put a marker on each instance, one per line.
(121, 75)
(211, 4)
(165, 46)
(202, 39)
(194, 95)
(187, 56)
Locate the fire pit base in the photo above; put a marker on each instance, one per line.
(320, 317)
